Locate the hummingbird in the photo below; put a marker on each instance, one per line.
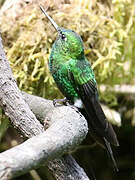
(75, 78)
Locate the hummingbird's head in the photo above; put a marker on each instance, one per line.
(68, 43)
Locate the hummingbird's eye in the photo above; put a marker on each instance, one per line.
(63, 37)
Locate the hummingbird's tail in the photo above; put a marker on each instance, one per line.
(102, 141)
(110, 154)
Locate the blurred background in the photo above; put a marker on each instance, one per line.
(107, 28)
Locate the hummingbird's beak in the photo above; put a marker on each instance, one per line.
(50, 19)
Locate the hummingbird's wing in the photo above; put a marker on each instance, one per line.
(100, 128)
(85, 85)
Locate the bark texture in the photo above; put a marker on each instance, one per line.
(62, 136)
(11, 100)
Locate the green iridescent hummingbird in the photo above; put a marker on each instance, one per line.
(75, 78)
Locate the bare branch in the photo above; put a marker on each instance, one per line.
(70, 162)
(112, 116)
(66, 132)
(11, 100)
(40, 107)
(119, 89)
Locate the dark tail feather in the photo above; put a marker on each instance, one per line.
(93, 177)
(110, 154)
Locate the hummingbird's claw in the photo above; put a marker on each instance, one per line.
(54, 102)
(65, 101)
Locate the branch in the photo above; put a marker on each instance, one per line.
(119, 89)
(66, 132)
(12, 102)
(40, 107)
(37, 150)
(112, 116)
(70, 162)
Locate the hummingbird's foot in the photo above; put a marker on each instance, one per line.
(65, 101)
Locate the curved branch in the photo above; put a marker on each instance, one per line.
(66, 132)
(40, 107)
